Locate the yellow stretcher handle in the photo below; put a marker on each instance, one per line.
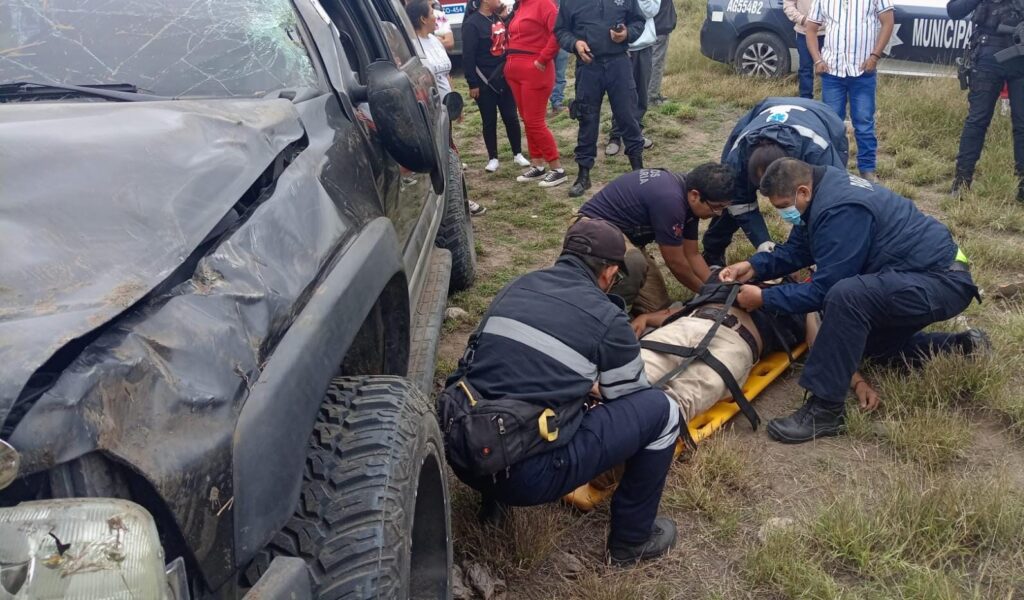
(542, 426)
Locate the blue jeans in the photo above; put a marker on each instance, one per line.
(880, 316)
(558, 93)
(860, 91)
(719, 234)
(805, 74)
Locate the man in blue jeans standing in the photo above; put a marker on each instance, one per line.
(796, 11)
(558, 92)
(854, 43)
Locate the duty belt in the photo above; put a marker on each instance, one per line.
(712, 313)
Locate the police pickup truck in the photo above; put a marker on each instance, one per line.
(756, 37)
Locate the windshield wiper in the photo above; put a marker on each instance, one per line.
(118, 92)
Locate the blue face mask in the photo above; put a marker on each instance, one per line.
(790, 215)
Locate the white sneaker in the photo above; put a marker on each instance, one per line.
(520, 160)
(492, 165)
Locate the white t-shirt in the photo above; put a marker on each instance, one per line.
(438, 62)
(442, 26)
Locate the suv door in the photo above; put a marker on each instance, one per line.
(378, 30)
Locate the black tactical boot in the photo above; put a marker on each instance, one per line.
(1020, 190)
(815, 419)
(713, 260)
(663, 538)
(961, 183)
(975, 342)
(582, 183)
(636, 162)
(493, 512)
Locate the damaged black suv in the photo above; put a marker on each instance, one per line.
(227, 233)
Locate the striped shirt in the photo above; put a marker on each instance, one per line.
(851, 32)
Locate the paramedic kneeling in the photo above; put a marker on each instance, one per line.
(884, 272)
(514, 413)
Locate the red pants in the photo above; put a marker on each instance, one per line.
(531, 89)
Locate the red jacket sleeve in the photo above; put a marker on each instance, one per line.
(551, 47)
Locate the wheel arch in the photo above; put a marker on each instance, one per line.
(270, 439)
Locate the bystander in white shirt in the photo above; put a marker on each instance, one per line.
(852, 31)
(438, 62)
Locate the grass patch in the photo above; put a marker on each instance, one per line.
(919, 537)
(712, 484)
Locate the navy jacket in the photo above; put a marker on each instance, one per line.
(548, 336)
(806, 129)
(851, 227)
(590, 20)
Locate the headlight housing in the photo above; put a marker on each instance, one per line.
(80, 549)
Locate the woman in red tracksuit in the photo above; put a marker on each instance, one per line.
(530, 73)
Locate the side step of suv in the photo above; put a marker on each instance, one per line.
(427, 317)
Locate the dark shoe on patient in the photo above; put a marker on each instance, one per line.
(815, 419)
(663, 538)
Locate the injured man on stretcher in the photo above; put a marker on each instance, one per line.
(739, 342)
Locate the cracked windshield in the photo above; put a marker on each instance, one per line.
(197, 48)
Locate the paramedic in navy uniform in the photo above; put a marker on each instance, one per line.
(885, 271)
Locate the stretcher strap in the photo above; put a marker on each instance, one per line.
(734, 388)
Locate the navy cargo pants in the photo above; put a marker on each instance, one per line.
(881, 316)
(638, 430)
(613, 76)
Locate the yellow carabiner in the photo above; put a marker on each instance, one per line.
(465, 390)
(542, 425)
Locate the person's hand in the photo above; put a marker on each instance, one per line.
(583, 52)
(870, 65)
(867, 398)
(540, 66)
(618, 36)
(639, 324)
(741, 271)
(821, 67)
(474, 93)
(749, 297)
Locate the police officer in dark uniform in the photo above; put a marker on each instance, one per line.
(777, 127)
(517, 427)
(885, 271)
(991, 60)
(598, 32)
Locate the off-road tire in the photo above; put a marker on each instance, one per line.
(456, 231)
(762, 54)
(373, 519)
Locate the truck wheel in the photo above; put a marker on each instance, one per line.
(456, 232)
(762, 54)
(373, 518)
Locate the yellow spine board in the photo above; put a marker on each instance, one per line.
(587, 497)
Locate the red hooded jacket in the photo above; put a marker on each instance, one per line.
(532, 30)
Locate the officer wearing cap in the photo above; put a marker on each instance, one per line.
(775, 128)
(885, 271)
(554, 342)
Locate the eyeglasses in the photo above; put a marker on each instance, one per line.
(717, 208)
(618, 277)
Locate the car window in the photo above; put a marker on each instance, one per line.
(165, 47)
(397, 29)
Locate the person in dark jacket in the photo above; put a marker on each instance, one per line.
(775, 128)
(598, 32)
(664, 25)
(989, 39)
(550, 339)
(484, 44)
(885, 271)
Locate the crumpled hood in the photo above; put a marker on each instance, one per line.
(101, 202)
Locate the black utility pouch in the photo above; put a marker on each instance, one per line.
(486, 437)
(576, 109)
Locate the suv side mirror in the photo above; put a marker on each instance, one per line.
(400, 118)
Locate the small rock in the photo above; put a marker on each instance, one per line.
(454, 313)
(1009, 290)
(488, 586)
(567, 565)
(773, 525)
(460, 591)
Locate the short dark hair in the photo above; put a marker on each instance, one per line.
(764, 154)
(714, 181)
(783, 177)
(417, 11)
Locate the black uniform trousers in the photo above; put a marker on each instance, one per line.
(986, 83)
(880, 316)
(613, 76)
(638, 430)
(642, 61)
